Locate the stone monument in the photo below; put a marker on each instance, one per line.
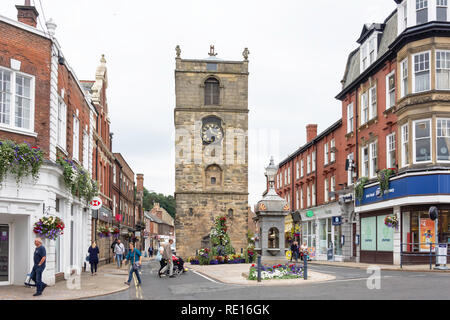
(271, 212)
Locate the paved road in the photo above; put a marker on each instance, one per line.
(350, 283)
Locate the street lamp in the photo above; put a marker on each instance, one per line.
(271, 172)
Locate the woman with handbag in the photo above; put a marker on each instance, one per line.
(135, 256)
(93, 257)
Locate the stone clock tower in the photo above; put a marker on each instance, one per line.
(211, 142)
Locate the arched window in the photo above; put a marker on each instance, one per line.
(212, 91)
(274, 238)
(213, 175)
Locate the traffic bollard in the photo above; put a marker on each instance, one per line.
(305, 267)
(259, 268)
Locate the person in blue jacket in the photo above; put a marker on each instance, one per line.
(135, 256)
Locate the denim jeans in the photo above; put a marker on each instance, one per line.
(136, 271)
(36, 276)
(119, 258)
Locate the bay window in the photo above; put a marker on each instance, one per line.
(421, 11)
(422, 141)
(441, 10)
(390, 151)
(390, 90)
(422, 72)
(405, 145)
(404, 76)
(443, 70)
(443, 139)
(16, 100)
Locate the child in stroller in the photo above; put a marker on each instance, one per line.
(178, 265)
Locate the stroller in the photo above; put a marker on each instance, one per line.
(178, 265)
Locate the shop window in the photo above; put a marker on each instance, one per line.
(420, 232)
(422, 141)
(274, 238)
(337, 240)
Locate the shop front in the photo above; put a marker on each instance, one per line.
(322, 232)
(409, 199)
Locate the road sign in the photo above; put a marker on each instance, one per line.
(96, 203)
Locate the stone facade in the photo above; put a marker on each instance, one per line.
(211, 179)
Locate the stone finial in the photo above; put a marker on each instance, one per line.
(103, 60)
(245, 54)
(211, 51)
(178, 51)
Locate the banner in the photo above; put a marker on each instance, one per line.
(427, 234)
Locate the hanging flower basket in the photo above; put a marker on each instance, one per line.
(391, 221)
(49, 227)
(104, 232)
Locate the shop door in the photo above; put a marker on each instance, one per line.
(4, 253)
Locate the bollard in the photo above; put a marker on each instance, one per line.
(305, 267)
(259, 268)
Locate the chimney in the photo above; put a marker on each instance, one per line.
(27, 14)
(139, 183)
(311, 132)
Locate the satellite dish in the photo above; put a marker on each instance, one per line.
(433, 212)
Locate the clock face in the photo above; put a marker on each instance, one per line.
(211, 133)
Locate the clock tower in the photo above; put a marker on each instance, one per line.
(211, 149)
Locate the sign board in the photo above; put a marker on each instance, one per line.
(337, 221)
(442, 254)
(427, 234)
(310, 214)
(96, 203)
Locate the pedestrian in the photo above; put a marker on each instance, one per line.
(162, 261)
(93, 257)
(40, 256)
(113, 245)
(119, 251)
(304, 250)
(294, 251)
(151, 251)
(167, 255)
(135, 256)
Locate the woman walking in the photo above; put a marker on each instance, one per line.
(135, 256)
(93, 257)
(294, 251)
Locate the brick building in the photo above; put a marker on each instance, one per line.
(43, 104)
(395, 105)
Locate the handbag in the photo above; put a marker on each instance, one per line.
(136, 265)
(88, 257)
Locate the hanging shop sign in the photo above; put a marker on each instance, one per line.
(337, 221)
(104, 214)
(96, 203)
(310, 214)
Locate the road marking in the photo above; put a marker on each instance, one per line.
(204, 276)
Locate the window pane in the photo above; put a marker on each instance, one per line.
(422, 16)
(441, 14)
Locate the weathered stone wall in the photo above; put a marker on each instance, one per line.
(198, 200)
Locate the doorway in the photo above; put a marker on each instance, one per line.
(4, 254)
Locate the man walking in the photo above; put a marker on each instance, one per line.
(40, 255)
(135, 256)
(167, 255)
(119, 250)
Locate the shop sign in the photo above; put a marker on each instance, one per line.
(104, 214)
(347, 198)
(337, 221)
(96, 203)
(310, 214)
(431, 184)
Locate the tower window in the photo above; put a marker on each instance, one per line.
(213, 180)
(212, 91)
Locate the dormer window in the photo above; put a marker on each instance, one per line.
(369, 51)
(421, 11)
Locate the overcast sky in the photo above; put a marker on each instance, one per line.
(298, 52)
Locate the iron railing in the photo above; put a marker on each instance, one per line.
(432, 252)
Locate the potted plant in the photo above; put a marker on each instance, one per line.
(104, 232)
(391, 221)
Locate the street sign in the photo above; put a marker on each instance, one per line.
(442, 254)
(96, 203)
(337, 221)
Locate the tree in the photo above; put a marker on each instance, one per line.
(166, 202)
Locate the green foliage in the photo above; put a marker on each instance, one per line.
(20, 160)
(383, 179)
(166, 202)
(359, 188)
(77, 180)
(220, 239)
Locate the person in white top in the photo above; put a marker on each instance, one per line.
(119, 250)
